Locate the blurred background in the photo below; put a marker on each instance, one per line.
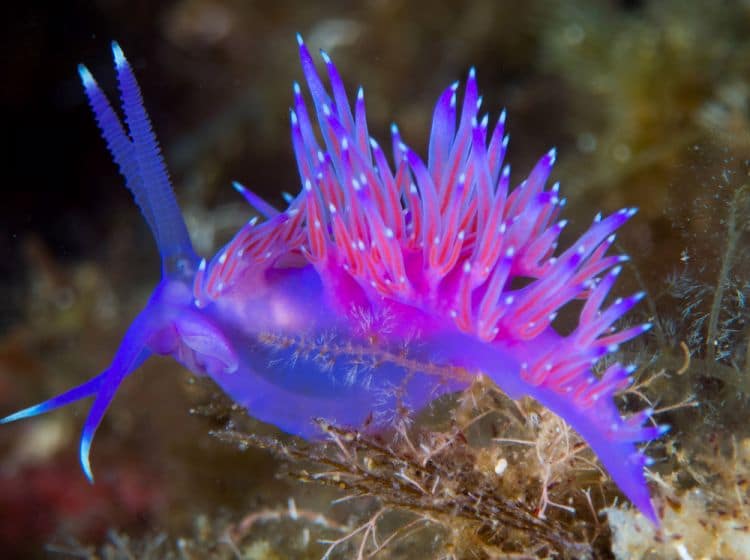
(647, 102)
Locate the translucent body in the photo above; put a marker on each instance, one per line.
(288, 362)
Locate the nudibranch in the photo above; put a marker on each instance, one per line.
(384, 284)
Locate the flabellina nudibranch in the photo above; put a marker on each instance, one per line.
(380, 287)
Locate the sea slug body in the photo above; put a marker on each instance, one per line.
(383, 285)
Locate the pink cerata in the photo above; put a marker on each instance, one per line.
(383, 285)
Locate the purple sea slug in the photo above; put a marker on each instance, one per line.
(383, 285)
